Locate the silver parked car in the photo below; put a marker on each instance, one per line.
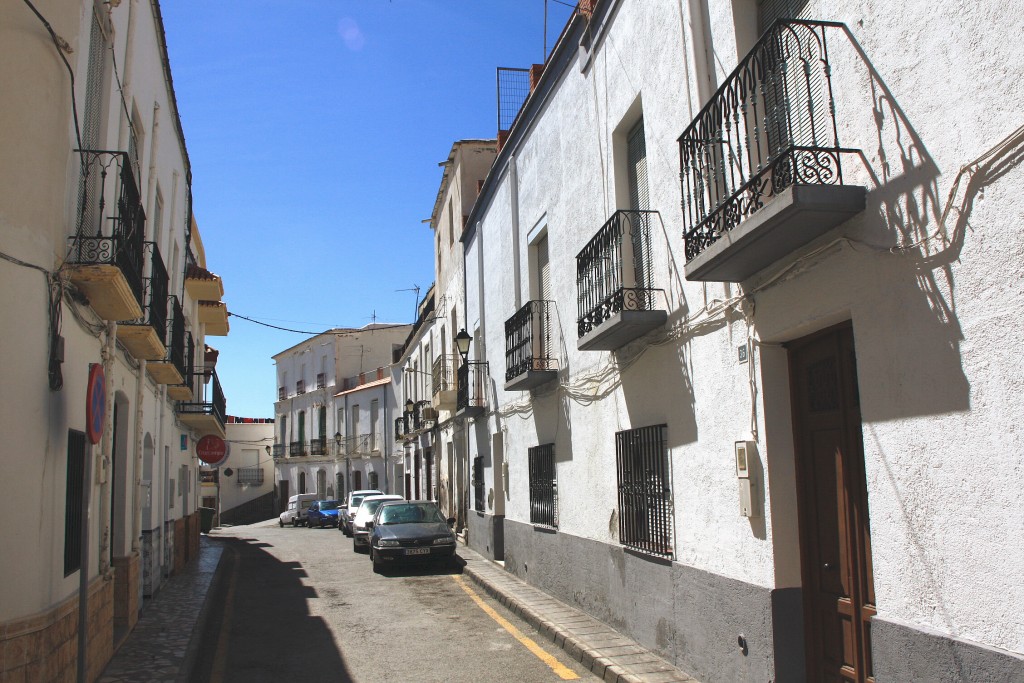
(360, 530)
(352, 506)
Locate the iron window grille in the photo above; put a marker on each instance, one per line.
(613, 272)
(300, 386)
(479, 494)
(250, 475)
(282, 393)
(77, 453)
(645, 490)
(543, 486)
(321, 380)
(528, 340)
(769, 126)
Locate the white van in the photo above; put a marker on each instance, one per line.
(295, 513)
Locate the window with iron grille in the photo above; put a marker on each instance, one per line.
(543, 486)
(645, 490)
(250, 475)
(73, 502)
(478, 484)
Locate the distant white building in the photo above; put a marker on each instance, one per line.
(741, 285)
(241, 489)
(331, 412)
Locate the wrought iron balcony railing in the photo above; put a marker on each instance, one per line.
(770, 126)
(318, 446)
(528, 345)
(614, 271)
(176, 352)
(145, 337)
(442, 374)
(362, 445)
(277, 450)
(300, 387)
(472, 392)
(297, 449)
(209, 403)
(321, 380)
(111, 234)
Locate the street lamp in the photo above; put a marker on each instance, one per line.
(462, 342)
(337, 440)
(409, 405)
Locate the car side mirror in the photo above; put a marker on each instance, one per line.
(369, 524)
(451, 521)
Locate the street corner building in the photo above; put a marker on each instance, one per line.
(109, 306)
(740, 290)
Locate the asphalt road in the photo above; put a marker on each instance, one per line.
(299, 604)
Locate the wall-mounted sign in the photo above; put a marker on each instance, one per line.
(95, 403)
(184, 442)
(212, 450)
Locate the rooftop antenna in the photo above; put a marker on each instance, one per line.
(415, 304)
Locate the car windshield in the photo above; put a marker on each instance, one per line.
(329, 505)
(356, 500)
(411, 513)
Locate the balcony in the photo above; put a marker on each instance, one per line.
(362, 445)
(761, 165)
(205, 415)
(201, 284)
(106, 255)
(318, 446)
(297, 449)
(171, 369)
(184, 391)
(277, 450)
(300, 387)
(472, 389)
(282, 393)
(613, 282)
(144, 338)
(529, 356)
(214, 314)
(444, 391)
(321, 380)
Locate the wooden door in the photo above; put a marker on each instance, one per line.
(839, 598)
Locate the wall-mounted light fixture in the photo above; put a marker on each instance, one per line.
(462, 342)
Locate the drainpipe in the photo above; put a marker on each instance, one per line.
(106, 444)
(137, 473)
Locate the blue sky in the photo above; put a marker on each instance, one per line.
(315, 128)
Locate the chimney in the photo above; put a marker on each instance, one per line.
(536, 71)
(586, 8)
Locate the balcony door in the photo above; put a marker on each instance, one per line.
(789, 92)
(636, 249)
(540, 325)
(835, 542)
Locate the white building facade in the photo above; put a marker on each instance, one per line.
(330, 416)
(106, 277)
(722, 282)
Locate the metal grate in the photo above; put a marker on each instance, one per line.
(513, 89)
(543, 486)
(528, 343)
(250, 475)
(645, 490)
(75, 488)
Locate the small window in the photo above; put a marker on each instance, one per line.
(543, 486)
(645, 490)
(372, 477)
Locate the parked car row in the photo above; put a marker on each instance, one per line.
(391, 529)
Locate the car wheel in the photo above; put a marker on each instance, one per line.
(355, 548)
(280, 522)
(295, 521)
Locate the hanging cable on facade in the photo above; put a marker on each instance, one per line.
(62, 48)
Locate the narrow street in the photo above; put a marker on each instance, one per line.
(298, 602)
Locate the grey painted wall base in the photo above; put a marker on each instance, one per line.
(486, 534)
(690, 617)
(910, 653)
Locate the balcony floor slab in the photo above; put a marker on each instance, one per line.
(794, 218)
(620, 329)
(530, 379)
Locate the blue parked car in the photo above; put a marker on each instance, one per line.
(323, 513)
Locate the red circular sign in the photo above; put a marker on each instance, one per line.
(95, 403)
(212, 449)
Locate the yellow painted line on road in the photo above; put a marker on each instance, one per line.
(562, 671)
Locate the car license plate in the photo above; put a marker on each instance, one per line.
(417, 551)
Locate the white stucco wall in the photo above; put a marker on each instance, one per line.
(933, 327)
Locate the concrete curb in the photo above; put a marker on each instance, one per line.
(600, 661)
(199, 632)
